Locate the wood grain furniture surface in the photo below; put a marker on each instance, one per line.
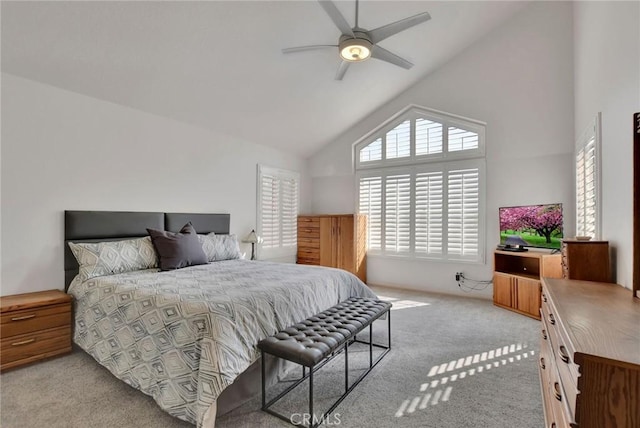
(516, 279)
(589, 355)
(586, 260)
(338, 241)
(34, 326)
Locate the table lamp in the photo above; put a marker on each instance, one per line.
(253, 239)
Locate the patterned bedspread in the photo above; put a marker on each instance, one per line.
(183, 336)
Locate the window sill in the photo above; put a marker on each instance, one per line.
(410, 258)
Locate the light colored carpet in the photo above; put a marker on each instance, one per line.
(455, 362)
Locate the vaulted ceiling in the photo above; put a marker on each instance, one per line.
(219, 64)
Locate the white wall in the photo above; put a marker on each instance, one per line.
(607, 80)
(518, 79)
(65, 151)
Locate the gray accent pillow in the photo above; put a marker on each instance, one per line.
(111, 257)
(178, 250)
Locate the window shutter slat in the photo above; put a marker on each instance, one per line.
(463, 209)
(460, 139)
(397, 213)
(428, 213)
(399, 141)
(428, 137)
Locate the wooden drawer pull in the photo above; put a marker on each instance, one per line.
(556, 391)
(563, 354)
(542, 365)
(544, 334)
(24, 342)
(552, 319)
(22, 318)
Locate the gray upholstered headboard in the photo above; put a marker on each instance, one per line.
(93, 226)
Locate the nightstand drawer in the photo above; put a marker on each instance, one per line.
(29, 320)
(24, 348)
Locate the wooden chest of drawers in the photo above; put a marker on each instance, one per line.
(586, 260)
(589, 355)
(34, 326)
(338, 241)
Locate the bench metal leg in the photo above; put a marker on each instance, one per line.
(264, 390)
(346, 367)
(311, 424)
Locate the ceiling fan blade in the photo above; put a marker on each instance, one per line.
(384, 55)
(336, 17)
(342, 69)
(306, 48)
(389, 30)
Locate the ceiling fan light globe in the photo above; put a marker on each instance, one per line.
(355, 50)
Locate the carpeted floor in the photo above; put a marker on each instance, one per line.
(455, 362)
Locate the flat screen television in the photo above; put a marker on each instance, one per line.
(531, 226)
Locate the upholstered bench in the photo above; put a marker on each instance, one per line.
(314, 342)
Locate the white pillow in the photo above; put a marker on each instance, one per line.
(220, 247)
(111, 257)
(208, 245)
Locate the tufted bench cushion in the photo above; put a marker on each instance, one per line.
(310, 341)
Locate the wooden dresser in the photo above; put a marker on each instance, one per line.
(589, 355)
(586, 260)
(34, 326)
(338, 241)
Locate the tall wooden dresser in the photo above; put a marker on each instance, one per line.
(586, 260)
(589, 355)
(338, 241)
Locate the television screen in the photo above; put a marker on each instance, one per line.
(535, 225)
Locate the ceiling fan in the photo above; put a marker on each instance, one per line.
(358, 44)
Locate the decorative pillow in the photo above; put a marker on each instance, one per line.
(111, 257)
(226, 247)
(178, 250)
(208, 243)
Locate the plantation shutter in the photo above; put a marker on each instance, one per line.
(428, 218)
(463, 200)
(289, 217)
(586, 194)
(399, 141)
(428, 137)
(461, 139)
(270, 212)
(278, 208)
(397, 228)
(371, 204)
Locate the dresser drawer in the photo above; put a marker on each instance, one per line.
(302, 261)
(32, 346)
(29, 320)
(305, 232)
(308, 243)
(308, 222)
(312, 253)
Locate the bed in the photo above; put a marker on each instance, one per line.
(188, 337)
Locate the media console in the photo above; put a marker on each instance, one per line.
(516, 279)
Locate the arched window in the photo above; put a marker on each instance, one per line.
(421, 183)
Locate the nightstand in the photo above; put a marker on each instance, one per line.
(34, 326)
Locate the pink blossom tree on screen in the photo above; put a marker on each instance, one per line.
(543, 220)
